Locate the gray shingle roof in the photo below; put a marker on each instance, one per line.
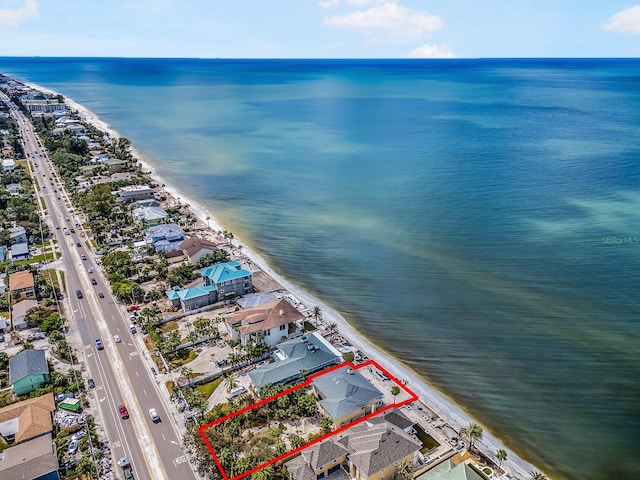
(28, 362)
(320, 454)
(375, 447)
(31, 459)
(292, 357)
(395, 417)
(343, 391)
(299, 469)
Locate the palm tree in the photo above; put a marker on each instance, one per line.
(501, 456)
(317, 314)
(230, 382)
(265, 473)
(395, 391)
(332, 328)
(471, 433)
(404, 468)
(326, 424)
(535, 475)
(186, 372)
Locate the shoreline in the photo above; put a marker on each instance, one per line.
(445, 407)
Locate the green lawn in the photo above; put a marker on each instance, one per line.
(206, 389)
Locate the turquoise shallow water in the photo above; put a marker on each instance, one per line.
(477, 219)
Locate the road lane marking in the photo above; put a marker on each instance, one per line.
(102, 399)
(163, 437)
(144, 391)
(180, 460)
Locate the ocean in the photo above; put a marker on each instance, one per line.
(477, 219)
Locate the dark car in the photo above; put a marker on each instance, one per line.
(93, 281)
(101, 295)
(124, 414)
(78, 244)
(91, 383)
(79, 293)
(72, 230)
(99, 345)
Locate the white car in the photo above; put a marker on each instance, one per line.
(153, 413)
(117, 338)
(73, 447)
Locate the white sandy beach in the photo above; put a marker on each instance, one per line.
(448, 410)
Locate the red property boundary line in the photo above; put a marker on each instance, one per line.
(412, 398)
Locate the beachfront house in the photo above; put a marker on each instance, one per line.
(295, 358)
(134, 193)
(149, 215)
(28, 419)
(230, 279)
(195, 248)
(367, 451)
(345, 395)
(21, 284)
(268, 323)
(28, 370)
(192, 298)
(448, 470)
(166, 237)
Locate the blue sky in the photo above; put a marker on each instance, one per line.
(320, 28)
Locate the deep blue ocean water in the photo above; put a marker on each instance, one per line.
(478, 219)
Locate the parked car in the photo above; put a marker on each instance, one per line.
(73, 447)
(91, 383)
(133, 329)
(124, 414)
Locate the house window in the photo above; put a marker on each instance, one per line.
(283, 327)
(267, 333)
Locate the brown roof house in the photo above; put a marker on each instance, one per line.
(195, 248)
(21, 284)
(28, 419)
(368, 451)
(270, 322)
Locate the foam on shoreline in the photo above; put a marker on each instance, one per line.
(443, 406)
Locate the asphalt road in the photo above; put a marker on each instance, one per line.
(121, 371)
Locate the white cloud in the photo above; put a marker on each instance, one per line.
(12, 17)
(329, 3)
(431, 51)
(627, 20)
(402, 23)
(350, 3)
